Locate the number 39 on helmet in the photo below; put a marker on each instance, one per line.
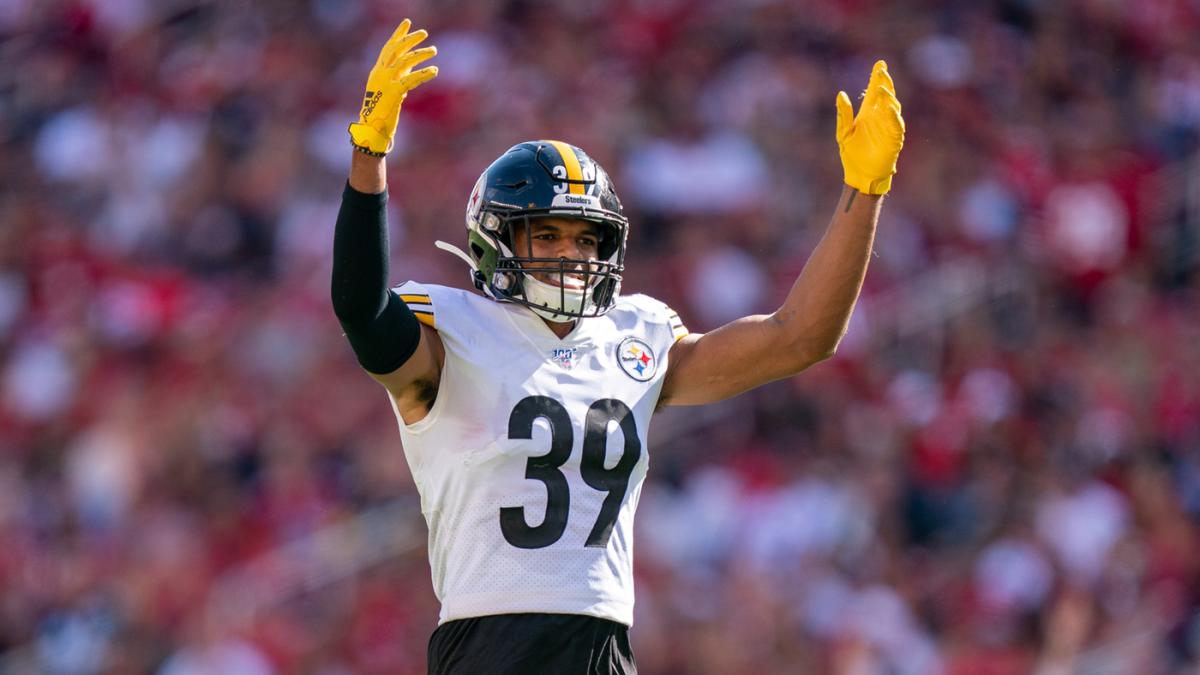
(535, 180)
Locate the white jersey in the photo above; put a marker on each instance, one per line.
(531, 460)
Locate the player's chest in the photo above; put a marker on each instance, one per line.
(568, 385)
(628, 368)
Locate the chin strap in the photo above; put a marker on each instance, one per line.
(458, 252)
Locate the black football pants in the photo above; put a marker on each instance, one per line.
(531, 644)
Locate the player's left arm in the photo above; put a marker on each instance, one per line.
(758, 349)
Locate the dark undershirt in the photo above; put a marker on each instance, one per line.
(382, 330)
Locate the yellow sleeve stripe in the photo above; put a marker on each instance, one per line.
(416, 298)
(425, 318)
(571, 162)
(677, 327)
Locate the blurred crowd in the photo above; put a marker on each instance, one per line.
(997, 474)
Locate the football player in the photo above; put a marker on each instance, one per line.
(523, 409)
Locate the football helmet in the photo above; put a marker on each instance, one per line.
(541, 179)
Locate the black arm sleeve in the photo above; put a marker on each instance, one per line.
(382, 329)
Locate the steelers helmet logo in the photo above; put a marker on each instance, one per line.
(637, 359)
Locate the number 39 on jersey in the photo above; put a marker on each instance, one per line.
(614, 481)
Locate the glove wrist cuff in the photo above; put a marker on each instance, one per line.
(365, 151)
(879, 186)
(367, 139)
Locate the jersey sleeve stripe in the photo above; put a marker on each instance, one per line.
(420, 304)
(677, 328)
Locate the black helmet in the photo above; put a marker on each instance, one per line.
(540, 179)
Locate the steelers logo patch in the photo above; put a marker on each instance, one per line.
(637, 359)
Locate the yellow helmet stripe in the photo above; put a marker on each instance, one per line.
(571, 162)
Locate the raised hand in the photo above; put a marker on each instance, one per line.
(870, 143)
(389, 83)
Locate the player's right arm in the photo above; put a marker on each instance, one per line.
(392, 346)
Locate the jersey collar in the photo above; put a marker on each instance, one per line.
(534, 327)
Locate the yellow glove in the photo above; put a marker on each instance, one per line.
(870, 143)
(390, 81)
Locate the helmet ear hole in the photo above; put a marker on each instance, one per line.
(477, 250)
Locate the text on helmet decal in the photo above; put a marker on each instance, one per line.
(576, 201)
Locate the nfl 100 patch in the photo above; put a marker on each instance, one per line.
(637, 359)
(565, 358)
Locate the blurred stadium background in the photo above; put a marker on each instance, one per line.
(998, 474)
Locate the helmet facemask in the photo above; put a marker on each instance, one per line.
(568, 288)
